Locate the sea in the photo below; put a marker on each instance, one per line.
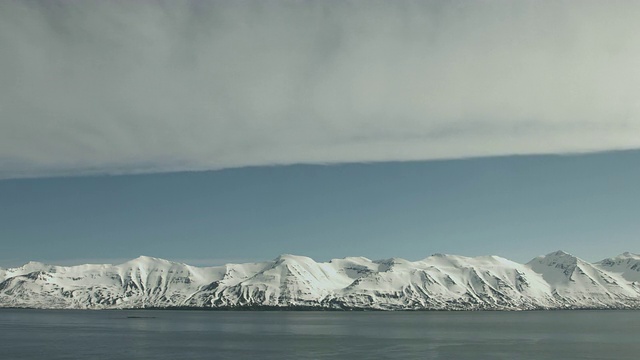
(193, 334)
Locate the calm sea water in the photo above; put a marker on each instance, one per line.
(70, 334)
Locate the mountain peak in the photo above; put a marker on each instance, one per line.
(626, 264)
(560, 253)
(147, 258)
(554, 257)
(622, 257)
(291, 257)
(440, 255)
(559, 259)
(34, 265)
(143, 259)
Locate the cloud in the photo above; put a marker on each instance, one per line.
(152, 86)
(200, 262)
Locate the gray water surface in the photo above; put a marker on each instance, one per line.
(165, 334)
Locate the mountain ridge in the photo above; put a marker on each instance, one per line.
(557, 280)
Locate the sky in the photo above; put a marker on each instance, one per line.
(173, 102)
(517, 207)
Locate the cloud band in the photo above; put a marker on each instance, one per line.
(128, 87)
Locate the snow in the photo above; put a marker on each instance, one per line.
(626, 265)
(555, 280)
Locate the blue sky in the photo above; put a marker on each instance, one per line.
(517, 206)
(223, 131)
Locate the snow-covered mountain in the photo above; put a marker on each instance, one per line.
(626, 265)
(439, 282)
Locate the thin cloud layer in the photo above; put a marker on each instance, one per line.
(129, 87)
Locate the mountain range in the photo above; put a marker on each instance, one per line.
(439, 282)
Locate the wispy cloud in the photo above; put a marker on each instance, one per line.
(148, 86)
(12, 263)
(203, 262)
